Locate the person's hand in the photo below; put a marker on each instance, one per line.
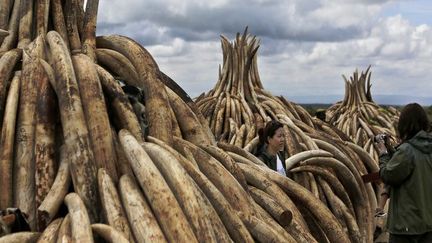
(381, 140)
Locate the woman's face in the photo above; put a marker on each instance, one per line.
(277, 141)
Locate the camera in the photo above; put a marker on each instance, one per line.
(380, 137)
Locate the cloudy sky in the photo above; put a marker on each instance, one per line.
(306, 45)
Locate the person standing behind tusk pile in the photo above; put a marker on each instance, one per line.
(271, 145)
(408, 172)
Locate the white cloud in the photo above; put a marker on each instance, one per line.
(295, 19)
(174, 48)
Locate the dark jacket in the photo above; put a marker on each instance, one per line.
(268, 159)
(409, 173)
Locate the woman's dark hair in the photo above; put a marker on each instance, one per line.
(412, 120)
(268, 131)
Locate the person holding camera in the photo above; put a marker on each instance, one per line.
(408, 172)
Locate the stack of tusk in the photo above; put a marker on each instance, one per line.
(359, 117)
(238, 106)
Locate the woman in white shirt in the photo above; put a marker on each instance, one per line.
(271, 145)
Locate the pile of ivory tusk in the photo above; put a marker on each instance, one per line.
(74, 157)
(321, 158)
(238, 105)
(359, 117)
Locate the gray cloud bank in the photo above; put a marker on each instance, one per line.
(305, 45)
